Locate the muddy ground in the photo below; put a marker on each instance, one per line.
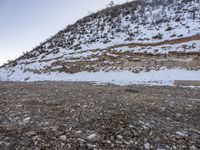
(64, 115)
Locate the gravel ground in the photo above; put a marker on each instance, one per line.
(66, 115)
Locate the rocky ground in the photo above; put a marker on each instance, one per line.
(64, 115)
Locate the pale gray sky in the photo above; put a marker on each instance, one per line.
(26, 23)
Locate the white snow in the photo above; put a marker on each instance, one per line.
(142, 26)
(160, 77)
(192, 46)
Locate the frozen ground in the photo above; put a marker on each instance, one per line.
(64, 115)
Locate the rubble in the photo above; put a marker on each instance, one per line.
(116, 117)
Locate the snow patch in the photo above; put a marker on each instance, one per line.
(159, 77)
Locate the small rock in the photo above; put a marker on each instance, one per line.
(78, 132)
(36, 138)
(59, 133)
(54, 129)
(181, 133)
(30, 133)
(84, 106)
(81, 140)
(91, 146)
(108, 141)
(19, 105)
(131, 126)
(63, 138)
(93, 136)
(120, 137)
(127, 143)
(27, 119)
(157, 139)
(135, 59)
(147, 146)
(69, 145)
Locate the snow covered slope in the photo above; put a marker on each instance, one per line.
(140, 36)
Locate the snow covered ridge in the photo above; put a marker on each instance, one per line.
(134, 22)
(121, 45)
(137, 22)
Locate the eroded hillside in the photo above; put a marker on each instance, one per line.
(138, 36)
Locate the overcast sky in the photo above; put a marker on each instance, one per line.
(26, 23)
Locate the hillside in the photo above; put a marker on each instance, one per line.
(137, 42)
